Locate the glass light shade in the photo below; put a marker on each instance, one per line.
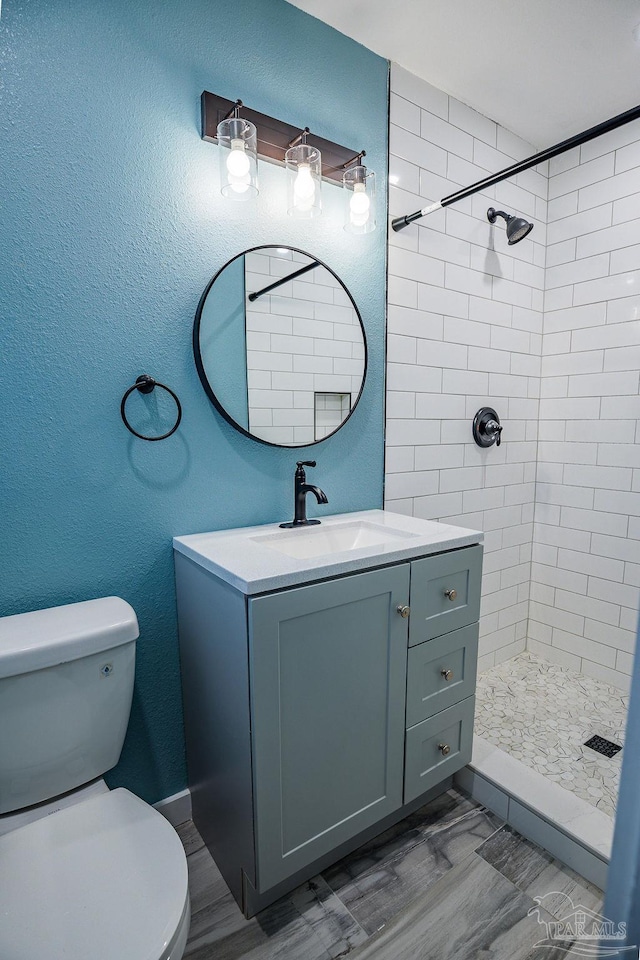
(304, 180)
(360, 185)
(238, 142)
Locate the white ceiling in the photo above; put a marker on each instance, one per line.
(545, 69)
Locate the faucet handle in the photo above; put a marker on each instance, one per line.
(306, 463)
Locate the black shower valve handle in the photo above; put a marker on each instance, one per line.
(487, 428)
(493, 427)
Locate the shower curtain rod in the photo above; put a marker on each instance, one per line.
(401, 222)
(278, 283)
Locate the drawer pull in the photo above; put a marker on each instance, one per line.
(451, 594)
(403, 610)
(444, 749)
(447, 674)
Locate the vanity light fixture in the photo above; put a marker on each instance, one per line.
(304, 177)
(238, 139)
(360, 185)
(309, 160)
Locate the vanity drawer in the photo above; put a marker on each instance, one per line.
(445, 593)
(437, 747)
(441, 672)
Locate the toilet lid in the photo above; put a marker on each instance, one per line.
(104, 879)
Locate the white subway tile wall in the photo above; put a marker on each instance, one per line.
(466, 329)
(303, 339)
(586, 556)
(330, 410)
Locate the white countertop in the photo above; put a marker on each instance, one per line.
(243, 558)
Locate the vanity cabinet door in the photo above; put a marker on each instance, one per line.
(327, 675)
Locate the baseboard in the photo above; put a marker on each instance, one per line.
(177, 808)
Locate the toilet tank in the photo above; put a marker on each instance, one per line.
(66, 682)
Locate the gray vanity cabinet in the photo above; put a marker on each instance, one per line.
(441, 672)
(437, 747)
(317, 715)
(449, 593)
(328, 667)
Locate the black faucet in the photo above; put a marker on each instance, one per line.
(301, 489)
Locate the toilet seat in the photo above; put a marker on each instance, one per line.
(104, 879)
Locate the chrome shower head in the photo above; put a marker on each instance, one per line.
(517, 228)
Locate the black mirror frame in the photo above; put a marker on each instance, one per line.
(203, 376)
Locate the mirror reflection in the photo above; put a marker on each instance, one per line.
(280, 346)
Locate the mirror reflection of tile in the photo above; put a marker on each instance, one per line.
(305, 355)
(329, 411)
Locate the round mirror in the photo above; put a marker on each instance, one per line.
(280, 347)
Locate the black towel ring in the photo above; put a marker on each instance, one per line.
(146, 384)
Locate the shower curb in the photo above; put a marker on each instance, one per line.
(568, 827)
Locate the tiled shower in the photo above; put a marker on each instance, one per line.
(547, 332)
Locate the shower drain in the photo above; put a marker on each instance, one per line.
(606, 747)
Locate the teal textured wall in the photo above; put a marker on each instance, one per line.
(111, 226)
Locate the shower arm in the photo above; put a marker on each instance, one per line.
(634, 114)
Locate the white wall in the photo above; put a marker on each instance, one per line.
(586, 570)
(464, 331)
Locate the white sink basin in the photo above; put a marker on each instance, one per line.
(260, 559)
(321, 541)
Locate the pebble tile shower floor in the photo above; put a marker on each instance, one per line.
(542, 714)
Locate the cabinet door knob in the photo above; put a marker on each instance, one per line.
(451, 594)
(404, 611)
(444, 749)
(447, 674)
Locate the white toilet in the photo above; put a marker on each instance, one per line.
(86, 873)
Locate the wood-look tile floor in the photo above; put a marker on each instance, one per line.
(451, 882)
